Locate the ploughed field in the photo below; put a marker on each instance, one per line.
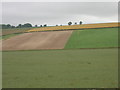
(37, 40)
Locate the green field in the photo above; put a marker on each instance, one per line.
(81, 68)
(73, 68)
(93, 38)
(8, 36)
(14, 30)
(7, 33)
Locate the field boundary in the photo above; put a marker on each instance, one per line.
(61, 49)
(71, 29)
(60, 30)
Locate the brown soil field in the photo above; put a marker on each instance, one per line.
(37, 40)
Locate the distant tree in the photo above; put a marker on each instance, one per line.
(8, 26)
(75, 23)
(4, 26)
(12, 26)
(27, 25)
(40, 25)
(0, 26)
(24, 25)
(69, 23)
(19, 26)
(61, 25)
(56, 25)
(36, 26)
(45, 25)
(80, 22)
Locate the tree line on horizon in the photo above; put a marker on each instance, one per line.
(28, 25)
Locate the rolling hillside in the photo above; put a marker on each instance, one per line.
(93, 38)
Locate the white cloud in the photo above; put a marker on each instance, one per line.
(59, 13)
(60, 0)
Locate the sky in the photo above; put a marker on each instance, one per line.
(57, 13)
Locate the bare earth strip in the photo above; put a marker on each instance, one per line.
(37, 40)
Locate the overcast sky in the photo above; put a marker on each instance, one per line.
(53, 13)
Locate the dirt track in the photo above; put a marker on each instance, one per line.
(37, 40)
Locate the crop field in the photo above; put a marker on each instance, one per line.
(72, 27)
(12, 31)
(87, 68)
(93, 38)
(86, 59)
(73, 39)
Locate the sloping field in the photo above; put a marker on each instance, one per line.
(86, 68)
(93, 38)
(37, 40)
(9, 35)
(84, 26)
(14, 30)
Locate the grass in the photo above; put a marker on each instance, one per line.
(93, 38)
(81, 68)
